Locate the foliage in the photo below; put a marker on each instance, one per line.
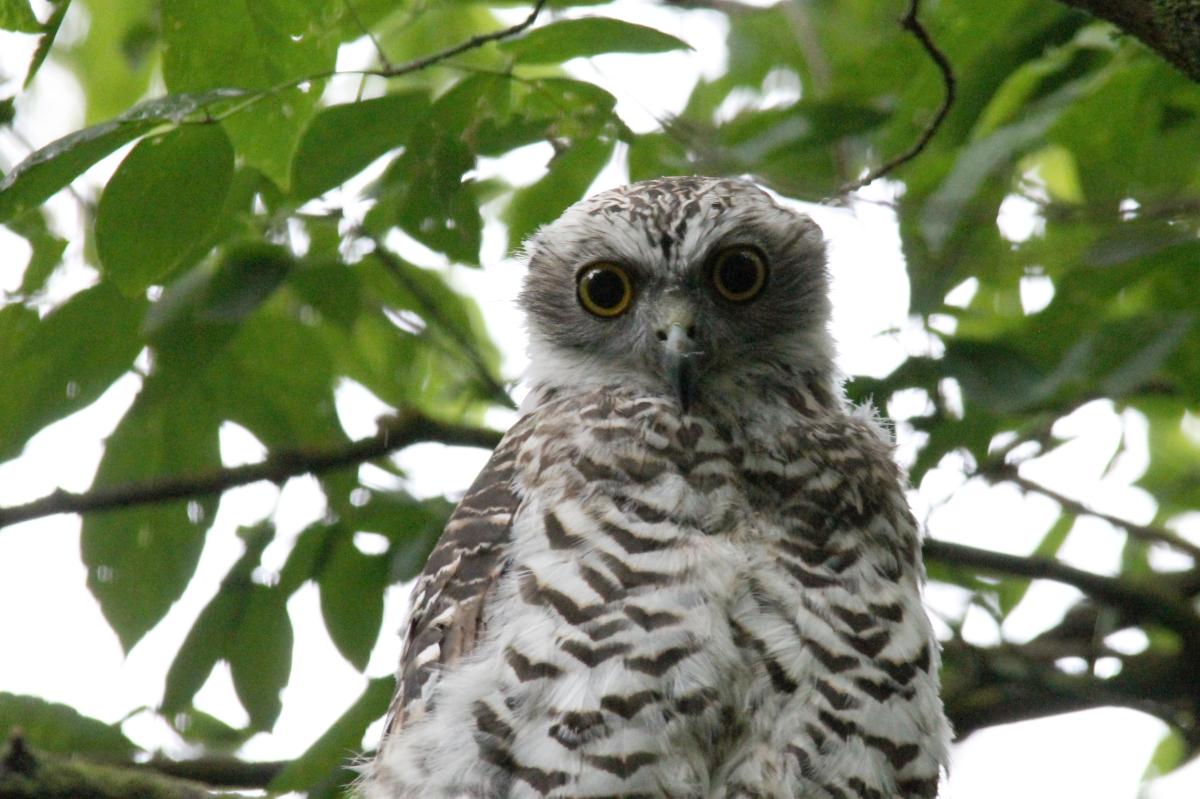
(235, 279)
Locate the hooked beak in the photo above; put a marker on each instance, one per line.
(680, 355)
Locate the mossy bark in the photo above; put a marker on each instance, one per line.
(1169, 27)
(29, 774)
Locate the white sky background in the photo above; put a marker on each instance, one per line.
(57, 645)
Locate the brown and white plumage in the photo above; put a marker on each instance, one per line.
(689, 570)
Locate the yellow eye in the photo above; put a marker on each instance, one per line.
(605, 289)
(739, 273)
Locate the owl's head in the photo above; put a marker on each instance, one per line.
(677, 286)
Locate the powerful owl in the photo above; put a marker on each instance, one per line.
(689, 570)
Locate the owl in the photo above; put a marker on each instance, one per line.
(689, 570)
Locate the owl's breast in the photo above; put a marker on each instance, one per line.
(662, 614)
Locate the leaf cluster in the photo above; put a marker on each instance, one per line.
(252, 254)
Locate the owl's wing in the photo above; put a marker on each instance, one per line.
(448, 600)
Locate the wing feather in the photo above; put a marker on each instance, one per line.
(449, 597)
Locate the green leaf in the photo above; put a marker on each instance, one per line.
(47, 249)
(339, 742)
(342, 140)
(16, 15)
(304, 561)
(198, 727)
(203, 310)
(61, 363)
(248, 273)
(161, 202)
(1165, 335)
(53, 167)
(1058, 170)
(655, 154)
(58, 728)
(1011, 97)
(414, 34)
(209, 639)
(196, 107)
(111, 80)
(413, 527)
(998, 376)
(515, 114)
(423, 192)
(1171, 753)
(50, 33)
(1173, 476)
(261, 388)
(140, 560)
(331, 288)
(262, 45)
(41, 175)
(571, 172)
(205, 645)
(1010, 592)
(574, 38)
(941, 212)
(352, 586)
(260, 655)
(754, 136)
(426, 292)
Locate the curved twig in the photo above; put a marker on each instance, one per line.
(911, 24)
(470, 44)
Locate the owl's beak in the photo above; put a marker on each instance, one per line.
(680, 354)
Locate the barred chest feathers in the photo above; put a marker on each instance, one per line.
(692, 609)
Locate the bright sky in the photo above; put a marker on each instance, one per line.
(58, 646)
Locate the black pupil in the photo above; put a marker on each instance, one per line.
(738, 273)
(604, 288)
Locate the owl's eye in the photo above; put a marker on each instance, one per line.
(605, 289)
(739, 273)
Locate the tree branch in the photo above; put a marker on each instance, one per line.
(405, 429)
(986, 686)
(217, 772)
(1169, 27)
(911, 24)
(1142, 532)
(1139, 599)
(29, 774)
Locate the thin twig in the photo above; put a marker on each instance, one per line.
(470, 44)
(429, 308)
(911, 24)
(404, 430)
(352, 9)
(396, 70)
